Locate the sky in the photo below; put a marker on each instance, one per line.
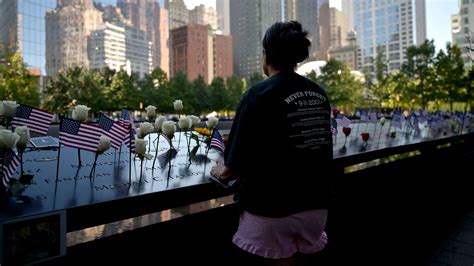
(438, 17)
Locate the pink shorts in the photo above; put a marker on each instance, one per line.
(277, 238)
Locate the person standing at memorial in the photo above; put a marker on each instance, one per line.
(280, 149)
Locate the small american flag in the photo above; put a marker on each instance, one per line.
(38, 121)
(80, 135)
(373, 117)
(113, 130)
(364, 117)
(125, 118)
(396, 121)
(416, 125)
(127, 122)
(9, 164)
(217, 141)
(344, 122)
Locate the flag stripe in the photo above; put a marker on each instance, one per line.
(76, 134)
(114, 130)
(216, 141)
(37, 120)
(10, 163)
(126, 121)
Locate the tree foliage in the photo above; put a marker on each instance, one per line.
(427, 79)
(419, 68)
(74, 86)
(255, 78)
(452, 81)
(378, 88)
(16, 81)
(235, 88)
(343, 89)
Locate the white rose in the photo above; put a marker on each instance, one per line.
(159, 122)
(104, 144)
(24, 133)
(194, 120)
(140, 146)
(80, 112)
(8, 139)
(212, 122)
(169, 128)
(382, 120)
(9, 108)
(145, 129)
(178, 105)
(150, 111)
(184, 122)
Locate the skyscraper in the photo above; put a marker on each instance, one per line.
(204, 16)
(339, 28)
(314, 16)
(178, 13)
(67, 31)
(348, 10)
(78, 34)
(223, 16)
(324, 32)
(190, 51)
(392, 25)
(135, 11)
(348, 53)
(22, 29)
(249, 20)
(157, 32)
(162, 52)
(222, 56)
(462, 30)
(138, 50)
(198, 51)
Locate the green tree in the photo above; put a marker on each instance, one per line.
(165, 98)
(201, 94)
(342, 88)
(377, 87)
(419, 69)
(400, 90)
(76, 85)
(235, 89)
(218, 96)
(108, 75)
(124, 91)
(452, 80)
(181, 89)
(16, 81)
(255, 78)
(152, 86)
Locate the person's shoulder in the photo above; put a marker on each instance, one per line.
(261, 88)
(309, 82)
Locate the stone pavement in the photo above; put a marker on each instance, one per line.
(458, 248)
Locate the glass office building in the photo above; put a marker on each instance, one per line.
(392, 25)
(22, 28)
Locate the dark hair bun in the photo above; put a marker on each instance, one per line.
(285, 44)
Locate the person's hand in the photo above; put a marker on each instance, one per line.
(217, 171)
